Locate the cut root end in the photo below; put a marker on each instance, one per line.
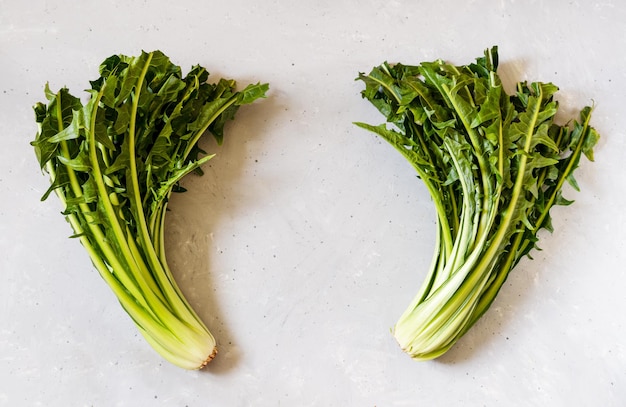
(209, 358)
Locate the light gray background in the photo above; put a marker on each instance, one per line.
(307, 237)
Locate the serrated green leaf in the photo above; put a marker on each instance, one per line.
(252, 92)
(560, 200)
(572, 181)
(79, 163)
(591, 139)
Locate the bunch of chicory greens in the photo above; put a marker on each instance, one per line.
(494, 165)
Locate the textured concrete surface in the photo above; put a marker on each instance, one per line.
(307, 237)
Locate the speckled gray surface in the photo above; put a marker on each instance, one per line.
(307, 237)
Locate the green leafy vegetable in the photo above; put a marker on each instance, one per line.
(494, 166)
(114, 162)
